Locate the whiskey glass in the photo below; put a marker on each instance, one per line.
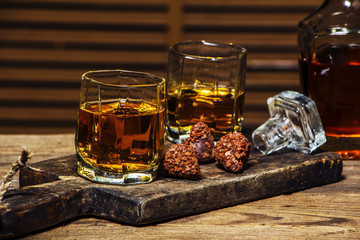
(120, 131)
(205, 82)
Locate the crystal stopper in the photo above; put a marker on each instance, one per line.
(294, 123)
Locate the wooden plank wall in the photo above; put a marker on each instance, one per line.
(45, 46)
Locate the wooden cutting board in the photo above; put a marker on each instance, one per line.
(52, 192)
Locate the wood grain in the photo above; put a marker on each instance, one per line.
(327, 212)
(52, 192)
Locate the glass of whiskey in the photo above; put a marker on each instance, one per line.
(205, 82)
(120, 132)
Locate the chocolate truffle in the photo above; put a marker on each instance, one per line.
(180, 161)
(232, 152)
(202, 142)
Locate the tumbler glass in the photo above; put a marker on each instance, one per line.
(205, 82)
(120, 131)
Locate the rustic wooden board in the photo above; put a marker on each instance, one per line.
(52, 191)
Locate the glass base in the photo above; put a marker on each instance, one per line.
(175, 137)
(349, 154)
(100, 176)
(347, 147)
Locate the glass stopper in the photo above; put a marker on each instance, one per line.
(294, 123)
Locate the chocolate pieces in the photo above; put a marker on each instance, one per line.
(232, 152)
(202, 142)
(180, 161)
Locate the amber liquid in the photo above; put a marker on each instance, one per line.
(332, 80)
(219, 108)
(120, 138)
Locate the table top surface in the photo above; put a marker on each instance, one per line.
(327, 212)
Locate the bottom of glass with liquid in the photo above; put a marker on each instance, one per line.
(94, 174)
(347, 147)
(174, 136)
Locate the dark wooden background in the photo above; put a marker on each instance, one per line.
(45, 46)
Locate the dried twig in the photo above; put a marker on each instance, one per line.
(26, 154)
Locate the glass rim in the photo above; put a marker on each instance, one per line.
(239, 50)
(160, 80)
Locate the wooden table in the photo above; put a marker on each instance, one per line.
(328, 212)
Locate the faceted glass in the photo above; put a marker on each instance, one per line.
(205, 82)
(120, 131)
